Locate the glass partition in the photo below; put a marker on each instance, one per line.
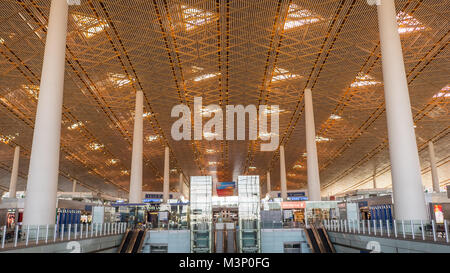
(249, 214)
(201, 214)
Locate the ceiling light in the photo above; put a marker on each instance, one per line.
(206, 76)
(407, 23)
(335, 117)
(75, 125)
(112, 161)
(147, 114)
(298, 17)
(6, 139)
(212, 163)
(444, 93)
(152, 138)
(281, 74)
(210, 151)
(32, 90)
(89, 26)
(119, 80)
(95, 146)
(194, 18)
(363, 80)
(322, 139)
(124, 172)
(298, 166)
(196, 69)
(269, 111)
(252, 168)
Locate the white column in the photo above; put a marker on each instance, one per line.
(166, 175)
(74, 186)
(283, 174)
(269, 187)
(181, 182)
(40, 203)
(312, 162)
(409, 199)
(14, 173)
(434, 172)
(135, 195)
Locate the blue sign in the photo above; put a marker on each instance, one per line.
(294, 194)
(299, 198)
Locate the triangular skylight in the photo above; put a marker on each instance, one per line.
(89, 26)
(281, 74)
(364, 80)
(444, 93)
(119, 80)
(193, 18)
(298, 17)
(407, 23)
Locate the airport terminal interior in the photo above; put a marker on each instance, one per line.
(224, 126)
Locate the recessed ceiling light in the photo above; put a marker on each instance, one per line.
(206, 76)
(89, 26)
(6, 139)
(194, 18)
(95, 146)
(444, 93)
(335, 117)
(322, 139)
(407, 23)
(298, 17)
(364, 80)
(75, 125)
(119, 80)
(281, 74)
(152, 138)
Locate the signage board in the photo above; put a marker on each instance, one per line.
(293, 205)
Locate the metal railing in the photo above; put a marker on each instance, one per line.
(32, 235)
(401, 229)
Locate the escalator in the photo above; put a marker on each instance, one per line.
(318, 240)
(322, 232)
(133, 241)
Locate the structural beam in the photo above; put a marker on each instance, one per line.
(166, 184)
(138, 150)
(14, 173)
(434, 171)
(311, 150)
(409, 199)
(40, 203)
(269, 187)
(283, 174)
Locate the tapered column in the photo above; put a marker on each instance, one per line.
(137, 156)
(40, 203)
(74, 186)
(409, 199)
(312, 162)
(434, 172)
(14, 173)
(269, 187)
(283, 174)
(166, 175)
(180, 185)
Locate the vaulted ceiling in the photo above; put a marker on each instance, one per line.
(228, 52)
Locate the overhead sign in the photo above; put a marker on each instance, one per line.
(225, 188)
(293, 205)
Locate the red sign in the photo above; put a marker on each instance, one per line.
(293, 205)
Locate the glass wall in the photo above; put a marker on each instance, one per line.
(249, 214)
(201, 214)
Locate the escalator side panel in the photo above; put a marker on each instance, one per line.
(324, 240)
(327, 238)
(318, 240)
(138, 242)
(125, 242)
(311, 240)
